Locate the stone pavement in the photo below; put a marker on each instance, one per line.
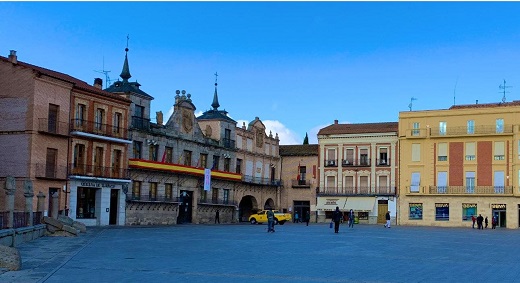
(294, 253)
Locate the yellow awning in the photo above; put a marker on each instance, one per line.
(360, 204)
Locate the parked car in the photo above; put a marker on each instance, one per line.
(261, 217)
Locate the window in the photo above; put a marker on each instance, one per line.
(442, 182)
(203, 160)
(136, 190)
(442, 152)
(117, 122)
(99, 119)
(86, 203)
(500, 125)
(416, 152)
(362, 215)
(349, 154)
(499, 150)
(138, 148)
(227, 139)
(498, 182)
(116, 164)
(168, 189)
(187, 158)
(139, 111)
(302, 175)
(471, 127)
(470, 182)
(152, 152)
(203, 194)
(331, 157)
(138, 119)
(470, 151)
(169, 154)
(214, 195)
(225, 198)
(348, 185)
(78, 166)
(416, 210)
(98, 161)
(216, 161)
(80, 115)
(415, 131)
(239, 166)
(50, 163)
(468, 210)
(383, 156)
(442, 212)
(153, 191)
(363, 157)
(416, 181)
(442, 128)
(227, 163)
(53, 118)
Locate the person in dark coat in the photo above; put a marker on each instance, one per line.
(486, 222)
(480, 219)
(307, 217)
(351, 219)
(336, 217)
(217, 217)
(387, 217)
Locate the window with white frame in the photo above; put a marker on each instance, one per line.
(331, 157)
(499, 182)
(442, 182)
(442, 151)
(470, 182)
(470, 151)
(499, 125)
(499, 150)
(415, 131)
(442, 128)
(416, 152)
(416, 182)
(471, 127)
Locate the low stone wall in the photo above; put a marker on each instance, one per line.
(206, 214)
(151, 213)
(15, 237)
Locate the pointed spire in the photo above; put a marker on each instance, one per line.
(215, 103)
(125, 74)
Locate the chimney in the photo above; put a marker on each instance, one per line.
(12, 57)
(335, 122)
(98, 83)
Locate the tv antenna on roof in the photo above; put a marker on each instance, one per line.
(107, 78)
(411, 103)
(504, 87)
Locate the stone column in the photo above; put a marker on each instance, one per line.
(28, 193)
(40, 207)
(54, 213)
(10, 188)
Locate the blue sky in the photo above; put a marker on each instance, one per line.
(297, 66)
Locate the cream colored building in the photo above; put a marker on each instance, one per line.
(460, 162)
(358, 170)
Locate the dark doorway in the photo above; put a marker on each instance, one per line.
(246, 207)
(302, 208)
(500, 216)
(185, 207)
(114, 200)
(50, 206)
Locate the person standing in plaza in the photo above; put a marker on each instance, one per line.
(351, 219)
(387, 217)
(295, 217)
(473, 219)
(217, 217)
(270, 220)
(336, 217)
(493, 222)
(480, 219)
(486, 222)
(307, 217)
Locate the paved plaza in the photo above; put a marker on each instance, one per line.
(294, 253)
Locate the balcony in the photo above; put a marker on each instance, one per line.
(383, 162)
(475, 130)
(140, 123)
(356, 191)
(224, 202)
(148, 198)
(331, 163)
(53, 127)
(417, 133)
(301, 184)
(261, 181)
(99, 171)
(228, 143)
(50, 171)
(78, 125)
(363, 162)
(471, 190)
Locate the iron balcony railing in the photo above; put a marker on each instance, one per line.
(301, 183)
(217, 201)
(53, 127)
(140, 123)
(472, 190)
(261, 181)
(331, 163)
(350, 162)
(91, 127)
(99, 171)
(228, 143)
(475, 130)
(150, 198)
(50, 171)
(356, 191)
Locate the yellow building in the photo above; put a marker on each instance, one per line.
(459, 162)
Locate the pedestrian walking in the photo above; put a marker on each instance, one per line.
(295, 217)
(387, 217)
(307, 217)
(486, 221)
(473, 219)
(270, 220)
(336, 217)
(494, 222)
(480, 219)
(217, 217)
(351, 219)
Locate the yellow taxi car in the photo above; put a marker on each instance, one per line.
(261, 217)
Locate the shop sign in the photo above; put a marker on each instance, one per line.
(97, 185)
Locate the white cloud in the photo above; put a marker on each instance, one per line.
(285, 135)
(313, 132)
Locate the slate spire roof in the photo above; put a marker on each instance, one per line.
(125, 73)
(215, 114)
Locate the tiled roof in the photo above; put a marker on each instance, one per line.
(64, 77)
(299, 150)
(128, 87)
(487, 105)
(216, 115)
(335, 129)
